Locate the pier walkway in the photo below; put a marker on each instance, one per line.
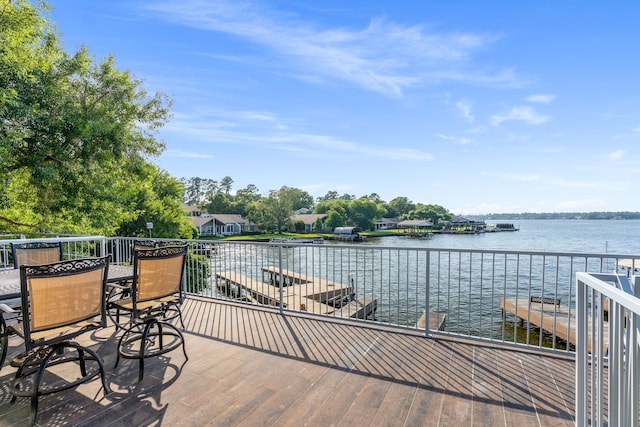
(311, 294)
(251, 366)
(550, 316)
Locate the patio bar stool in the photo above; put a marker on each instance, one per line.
(154, 302)
(33, 253)
(60, 302)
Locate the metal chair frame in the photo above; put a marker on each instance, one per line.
(153, 303)
(52, 317)
(32, 253)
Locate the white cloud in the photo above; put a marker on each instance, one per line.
(523, 114)
(617, 155)
(462, 141)
(465, 108)
(543, 98)
(265, 130)
(384, 56)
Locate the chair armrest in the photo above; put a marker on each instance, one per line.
(119, 286)
(8, 313)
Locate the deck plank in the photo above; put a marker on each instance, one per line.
(252, 366)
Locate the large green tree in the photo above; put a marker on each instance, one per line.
(196, 189)
(363, 212)
(334, 219)
(274, 212)
(157, 199)
(400, 207)
(434, 213)
(75, 134)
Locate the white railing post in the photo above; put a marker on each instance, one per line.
(280, 279)
(581, 353)
(427, 303)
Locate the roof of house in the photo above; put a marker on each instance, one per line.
(199, 221)
(457, 219)
(222, 219)
(387, 221)
(231, 219)
(415, 223)
(190, 209)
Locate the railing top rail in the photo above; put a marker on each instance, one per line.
(432, 249)
(52, 239)
(597, 282)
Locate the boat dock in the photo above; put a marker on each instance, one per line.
(272, 275)
(548, 315)
(436, 321)
(630, 265)
(300, 292)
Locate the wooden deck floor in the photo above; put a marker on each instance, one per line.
(250, 367)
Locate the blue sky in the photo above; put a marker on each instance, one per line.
(478, 106)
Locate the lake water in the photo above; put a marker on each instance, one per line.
(462, 277)
(472, 307)
(583, 236)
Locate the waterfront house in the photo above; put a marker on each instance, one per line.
(206, 225)
(386, 223)
(308, 219)
(222, 224)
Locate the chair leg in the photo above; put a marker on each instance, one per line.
(4, 340)
(177, 330)
(36, 383)
(26, 363)
(147, 337)
(97, 358)
(83, 364)
(118, 348)
(143, 346)
(39, 374)
(180, 317)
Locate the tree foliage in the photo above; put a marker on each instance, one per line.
(196, 189)
(75, 134)
(400, 207)
(334, 219)
(434, 213)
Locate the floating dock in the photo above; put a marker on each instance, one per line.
(548, 315)
(301, 293)
(436, 321)
(630, 265)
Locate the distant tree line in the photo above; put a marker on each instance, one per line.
(558, 215)
(274, 210)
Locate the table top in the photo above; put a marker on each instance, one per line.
(10, 279)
